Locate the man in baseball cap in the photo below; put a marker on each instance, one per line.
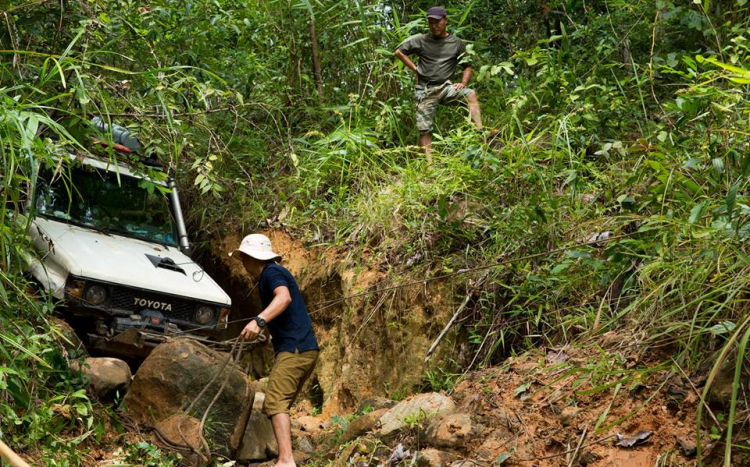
(285, 315)
(437, 12)
(439, 54)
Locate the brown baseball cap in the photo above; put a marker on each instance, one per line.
(437, 12)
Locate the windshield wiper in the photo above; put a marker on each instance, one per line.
(144, 238)
(86, 226)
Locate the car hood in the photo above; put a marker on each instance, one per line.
(122, 260)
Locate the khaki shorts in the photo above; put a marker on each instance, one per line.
(289, 373)
(428, 99)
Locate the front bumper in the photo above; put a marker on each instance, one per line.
(127, 339)
(137, 335)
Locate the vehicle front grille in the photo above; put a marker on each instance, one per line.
(125, 299)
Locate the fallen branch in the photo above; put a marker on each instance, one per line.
(697, 393)
(458, 312)
(598, 441)
(578, 448)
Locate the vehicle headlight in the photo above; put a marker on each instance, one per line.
(95, 295)
(204, 314)
(75, 288)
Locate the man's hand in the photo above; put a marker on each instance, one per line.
(251, 331)
(459, 86)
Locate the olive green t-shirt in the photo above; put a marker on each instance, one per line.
(438, 56)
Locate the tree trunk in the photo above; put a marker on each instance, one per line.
(316, 58)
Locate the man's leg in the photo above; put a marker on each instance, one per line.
(282, 429)
(474, 110)
(426, 109)
(289, 372)
(425, 141)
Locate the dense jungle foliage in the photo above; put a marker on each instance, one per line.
(618, 137)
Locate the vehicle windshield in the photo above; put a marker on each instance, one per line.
(94, 198)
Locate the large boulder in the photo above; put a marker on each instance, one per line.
(450, 431)
(68, 340)
(183, 432)
(420, 408)
(258, 442)
(434, 458)
(308, 423)
(107, 377)
(362, 425)
(175, 374)
(371, 404)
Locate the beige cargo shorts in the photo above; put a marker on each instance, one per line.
(428, 99)
(288, 375)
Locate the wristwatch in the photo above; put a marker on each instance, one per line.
(261, 322)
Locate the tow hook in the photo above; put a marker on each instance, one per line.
(130, 336)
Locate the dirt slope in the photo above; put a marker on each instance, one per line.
(372, 345)
(553, 407)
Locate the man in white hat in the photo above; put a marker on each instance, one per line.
(285, 315)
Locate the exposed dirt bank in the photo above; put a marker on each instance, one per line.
(371, 345)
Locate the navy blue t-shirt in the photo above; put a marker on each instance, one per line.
(292, 329)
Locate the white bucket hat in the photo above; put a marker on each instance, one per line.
(257, 246)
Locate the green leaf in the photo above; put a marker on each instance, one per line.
(502, 458)
(731, 199)
(521, 389)
(745, 164)
(8, 371)
(722, 328)
(735, 69)
(703, 233)
(24, 350)
(695, 213)
(718, 165)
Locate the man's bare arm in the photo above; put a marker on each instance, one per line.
(464, 79)
(467, 76)
(281, 299)
(406, 61)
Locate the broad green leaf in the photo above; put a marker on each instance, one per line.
(695, 213)
(722, 328)
(502, 458)
(521, 389)
(726, 66)
(23, 350)
(731, 199)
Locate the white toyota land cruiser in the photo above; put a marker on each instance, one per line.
(112, 244)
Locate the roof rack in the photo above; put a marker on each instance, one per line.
(124, 142)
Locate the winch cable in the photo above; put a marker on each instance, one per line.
(325, 304)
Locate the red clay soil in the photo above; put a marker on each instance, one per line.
(540, 408)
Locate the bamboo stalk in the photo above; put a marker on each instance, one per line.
(11, 457)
